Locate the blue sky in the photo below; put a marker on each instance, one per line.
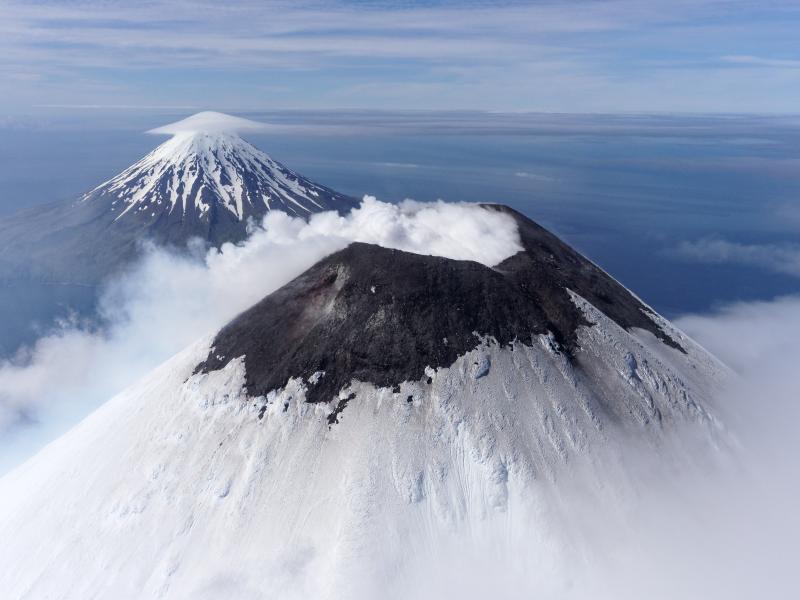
(569, 56)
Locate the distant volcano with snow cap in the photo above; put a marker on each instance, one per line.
(204, 182)
(207, 181)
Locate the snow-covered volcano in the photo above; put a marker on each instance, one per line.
(204, 182)
(204, 172)
(376, 404)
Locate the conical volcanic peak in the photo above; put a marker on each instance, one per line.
(204, 182)
(206, 172)
(378, 407)
(384, 316)
(201, 175)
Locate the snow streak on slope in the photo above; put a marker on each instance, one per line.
(182, 487)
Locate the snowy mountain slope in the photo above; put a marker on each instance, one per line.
(205, 182)
(195, 173)
(205, 480)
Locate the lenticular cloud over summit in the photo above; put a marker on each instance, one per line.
(169, 300)
(210, 122)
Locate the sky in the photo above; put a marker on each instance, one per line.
(568, 56)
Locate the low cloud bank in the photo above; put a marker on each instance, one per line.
(773, 257)
(760, 341)
(745, 539)
(168, 301)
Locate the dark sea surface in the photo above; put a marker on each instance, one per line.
(625, 190)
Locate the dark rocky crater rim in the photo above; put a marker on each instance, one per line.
(372, 314)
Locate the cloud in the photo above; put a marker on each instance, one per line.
(210, 122)
(787, 215)
(747, 521)
(170, 300)
(762, 62)
(754, 338)
(606, 55)
(397, 165)
(533, 176)
(125, 107)
(779, 258)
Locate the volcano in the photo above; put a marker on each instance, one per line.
(378, 403)
(206, 182)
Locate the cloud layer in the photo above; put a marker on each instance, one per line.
(779, 258)
(609, 55)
